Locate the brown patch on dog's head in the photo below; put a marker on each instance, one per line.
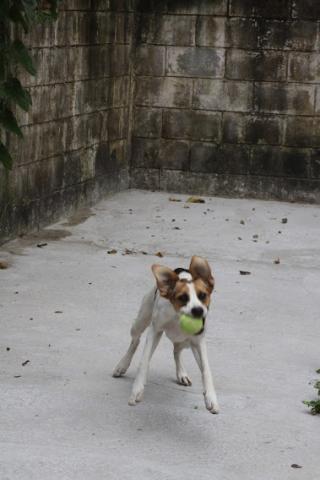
(200, 270)
(166, 280)
(180, 294)
(203, 291)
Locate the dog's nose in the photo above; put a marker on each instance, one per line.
(197, 312)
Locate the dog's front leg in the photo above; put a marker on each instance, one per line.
(152, 341)
(200, 353)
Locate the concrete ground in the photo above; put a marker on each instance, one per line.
(66, 306)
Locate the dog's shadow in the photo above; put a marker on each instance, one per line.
(165, 404)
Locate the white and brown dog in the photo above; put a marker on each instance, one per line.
(178, 292)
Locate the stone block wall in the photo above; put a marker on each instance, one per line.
(75, 147)
(227, 98)
(218, 97)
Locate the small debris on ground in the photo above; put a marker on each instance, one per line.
(25, 363)
(128, 251)
(16, 376)
(284, 220)
(276, 261)
(239, 238)
(195, 200)
(8, 349)
(3, 265)
(112, 252)
(295, 465)
(159, 254)
(244, 272)
(255, 235)
(242, 222)
(173, 199)
(58, 311)
(40, 245)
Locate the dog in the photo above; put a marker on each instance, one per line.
(177, 292)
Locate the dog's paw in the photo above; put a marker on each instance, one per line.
(183, 379)
(135, 397)
(211, 403)
(119, 371)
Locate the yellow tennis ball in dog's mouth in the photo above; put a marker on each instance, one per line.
(190, 325)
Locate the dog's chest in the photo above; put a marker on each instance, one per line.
(166, 319)
(175, 334)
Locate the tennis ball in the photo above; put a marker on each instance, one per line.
(190, 325)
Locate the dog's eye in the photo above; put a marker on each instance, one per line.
(202, 296)
(184, 298)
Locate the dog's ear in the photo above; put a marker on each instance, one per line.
(200, 268)
(166, 279)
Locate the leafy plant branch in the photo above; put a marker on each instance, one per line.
(314, 405)
(17, 16)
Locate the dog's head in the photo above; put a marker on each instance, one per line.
(189, 291)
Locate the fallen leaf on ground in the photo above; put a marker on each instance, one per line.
(276, 261)
(173, 199)
(244, 272)
(128, 251)
(25, 363)
(40, 245)
(112, 252)
(159, 254)
(3, 265)
(195, 200)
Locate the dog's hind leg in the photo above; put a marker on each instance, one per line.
(139, 325)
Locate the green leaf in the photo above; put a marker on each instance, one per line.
(5, 157)
(9, 122)
(13, 90)
(2, 67)
(16, 16)
(21, 54)
(4, 8)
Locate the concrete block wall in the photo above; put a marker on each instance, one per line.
(75, 147)
(227, 98)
